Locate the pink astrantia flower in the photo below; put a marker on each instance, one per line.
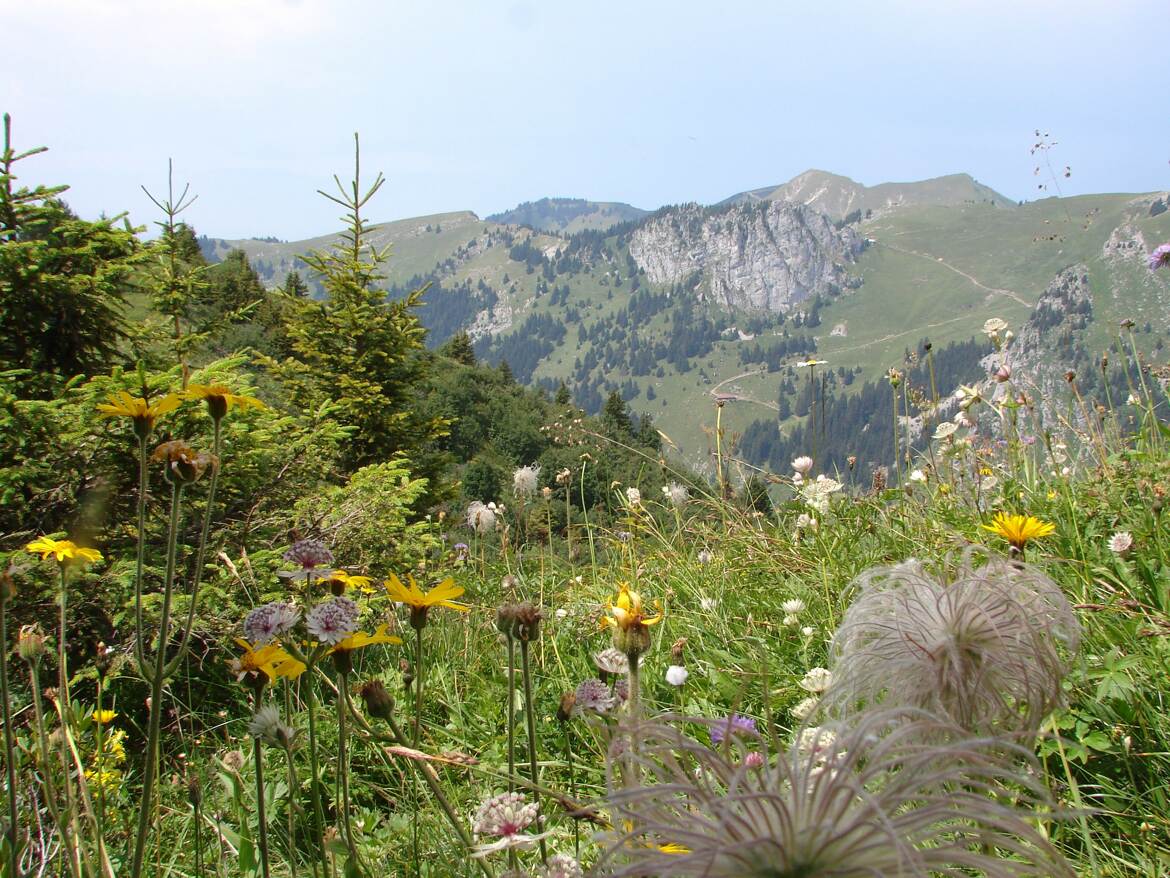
(506, 816)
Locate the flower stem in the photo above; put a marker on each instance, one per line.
(13, 832)
(261, 815)
(343, 765)
(530, 716)
(150, 769)
(315, 768)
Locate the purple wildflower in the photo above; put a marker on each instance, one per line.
(593, 696)
(735, 725)
(333, 621)
(309, 554)
(271, 620)
(1160, 256)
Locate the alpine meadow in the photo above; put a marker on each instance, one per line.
(813, 530)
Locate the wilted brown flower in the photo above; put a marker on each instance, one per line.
(184, 464)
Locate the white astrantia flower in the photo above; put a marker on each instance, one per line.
(269, 621)
(802, 710)
(334, 620)
(633, 497)
(802, 464)
(525, 480)
(561, 866)
(676, 675)
(506, 816)
(994, 326)
(945, 429)
(1121, 542)
(817, 493)
(817, 680)
(794, 606)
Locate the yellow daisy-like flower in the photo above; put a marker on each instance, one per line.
(65, 551)
(339, 580)
(270, 660)
(101, 717)
(1019, 530)
(138, 410)
(626, 612)
(627, 617)
(360, 640)
(220, 399)
(420, 602)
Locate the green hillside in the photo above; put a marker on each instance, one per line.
(573, 306)
(568, 215)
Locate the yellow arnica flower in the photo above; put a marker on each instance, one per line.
(360, 640)
(413, 596)
(65, 551)
(219, 398)
(339, 580)
(1019, 530)
(269, 660)
(137, 409)
(626, 612)
(101, 717)
(420, 602)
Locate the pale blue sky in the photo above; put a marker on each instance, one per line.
(480, 105)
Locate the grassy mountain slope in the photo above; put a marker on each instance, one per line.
(576, 308)
(838, 196)
(568, 215)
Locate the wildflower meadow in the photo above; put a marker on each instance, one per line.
(261, 615)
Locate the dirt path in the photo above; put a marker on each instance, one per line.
(739, 397)
(999, 291)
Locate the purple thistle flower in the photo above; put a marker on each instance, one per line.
(333, 621)
(309, 554)
(735, 725)
(1160, 257)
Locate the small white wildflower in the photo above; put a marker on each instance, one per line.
(677, 494)
(918, 476)
(790, 620)
(1121, 542)
(708, 604)
(269, 621)
(802, 464)
(808, 630)
(705, 556)
(524, 481)
(561, 613)
(633, 497)
(994, 326)
(1131, 400)
(612, 661)
(815, 741)
(817, 493)
(804, 521)
(817, 680)
(945, 429)
(802, 710)
(505, 816)
(794, 606)
(676, 675)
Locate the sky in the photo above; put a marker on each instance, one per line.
(482, 105)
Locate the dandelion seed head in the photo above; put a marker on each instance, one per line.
(676, 675)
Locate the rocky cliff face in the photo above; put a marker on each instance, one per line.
(766, 256)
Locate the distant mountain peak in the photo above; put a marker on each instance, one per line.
(838, 195)
(568, 214)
